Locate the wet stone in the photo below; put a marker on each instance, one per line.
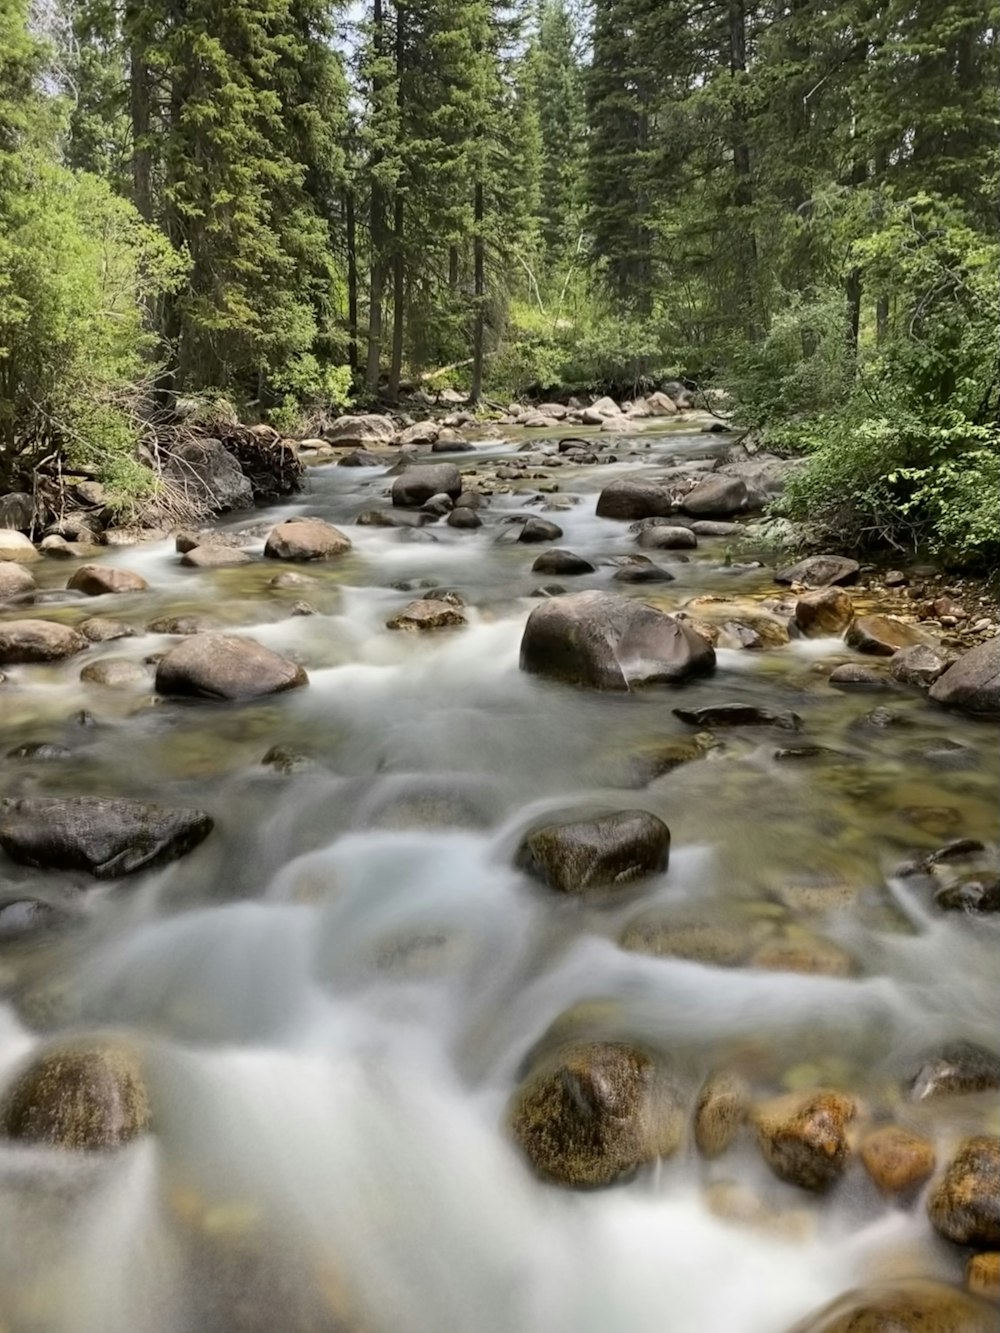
(721, 1109)
(597, 854)
(897, 1159)
(960, 1067)
(913, 1306)
(965, 1204)
(805, 1138)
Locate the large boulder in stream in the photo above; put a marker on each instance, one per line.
(882, 636)
(38, 641)
(225, 666)
(611, 643)
(14, 579)
(210, 475)
(632, 498)
(717, 497)
(415, 486)
(820, 571)
(913, 1306)
(106, 836)
(973, 683)
(98, 580)
(603, 853)
(88, 1096)
(305, 539)
(359, 431)
(965, 1204)
(593, 1112)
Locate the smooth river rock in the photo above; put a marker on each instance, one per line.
(14, 579)
(561, 562)
(920, 665)
(965, 1204)
(594, 1112)
(881, 636)
(603, 853)
(106, 836)
(305, 539)
(631, 498)
(897, 1159)
(225, 666)
(97, 580)
(717, 497)
(823, 611)
(606, 642)
(415, 485)
(663, 537)
(37, 641)
(83, 1096)
(426, 614)
(820, 571)
(973, 683)
(804, 1137)
(912, 1306)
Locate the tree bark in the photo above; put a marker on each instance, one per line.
(479, 292)
(398, 297)
(139, 108)
(350, 223)
(743, 197)
(376, 274)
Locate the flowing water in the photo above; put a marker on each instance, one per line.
(336, 994)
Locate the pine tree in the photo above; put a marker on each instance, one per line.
(554, 83)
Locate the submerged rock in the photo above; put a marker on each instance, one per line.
(804, 1137)
(115, 673)
(212, 556)
(106, 836)
(602, 853)
(737, 715)
(100, 630)
(86, 1096)
(611, 643)
(960, 1067)
(913, 1306)
(593, 1113)
(965, 1204)
(721, 1109)
(225, 666)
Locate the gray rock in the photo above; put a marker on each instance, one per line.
(920, 665)
(416, 485)
(210, 475)
(98, 580)
(717, 497)
(973, 683)
(881, 636)
(108, 837)
(539, 530)
(225, 666)
(608, 642)
(663, 537)
(819, 571)
(631, 498)
(305, 539)
(369, 428)
(38, 641)
(603, 853)
(461, 517)
(17, 511)
(561, 562)
(14, 579)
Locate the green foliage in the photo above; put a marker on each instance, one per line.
(306, 384)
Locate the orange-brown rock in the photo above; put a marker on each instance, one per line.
(965, 1204)
(722, 1107)
(804, 1137)
(824, 611)
(982, 1274)
(896, 1159)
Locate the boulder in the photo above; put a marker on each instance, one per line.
(369, 428)
(461, 517)
(604, 407)
(554, 410)
(820, 571)
(305, 539)
(973, 683)
(225, 666)
(618, 425)
(965, 1204)
(206, 470)
(421, 432)
(88, 1095)
(14, 579)
(663, 537)
(897, 1159)
(713, 527)
(16, 547)
(642, 574)
(37, 641)
(881, 636)
(593, 1112)
(539, 530)
(721, 1109)
(108, 837)
(450, 442)
(823, 611)
(562, 562)
(959, 1067)
(100, 630)
(96, 580)
(415, 485)
(717, 497)
(115, 672)
(660, 405)
(17, 512)
(632, 498)
(920, 665)
(914, 1306)
(427, 614)
(804, 1137)
(214, 557)
(737, 715)
(603, 853)
(606, 642)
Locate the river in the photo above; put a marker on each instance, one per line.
(336, 994)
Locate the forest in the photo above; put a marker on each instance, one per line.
(298, 206)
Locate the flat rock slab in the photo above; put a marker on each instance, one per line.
(108, 837)
(881, 636)
(225, 666)
(820, 571)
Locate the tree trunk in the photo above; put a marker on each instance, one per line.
(376, 275)
(479, 292)
(743, 187)
(398, 297)
(352, 279)
(453, 267)
(139, 108)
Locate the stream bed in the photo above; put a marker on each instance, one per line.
(335, 996)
